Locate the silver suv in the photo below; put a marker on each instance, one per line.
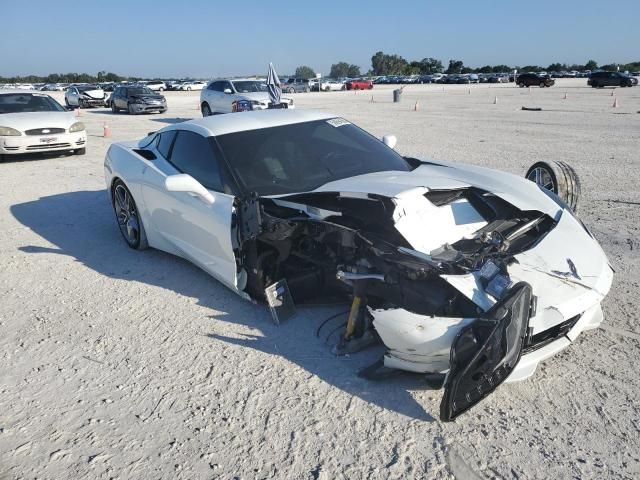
(296, 85)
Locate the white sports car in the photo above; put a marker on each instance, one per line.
(469, 275)
(32, 122)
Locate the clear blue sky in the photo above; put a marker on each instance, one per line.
(214, 38)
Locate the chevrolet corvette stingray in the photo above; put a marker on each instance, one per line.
(467, 275)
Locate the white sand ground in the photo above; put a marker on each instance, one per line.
(137, 365)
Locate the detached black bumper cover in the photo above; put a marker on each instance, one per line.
(484, 353)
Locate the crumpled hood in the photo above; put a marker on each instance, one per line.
(29, 120)
(518, 191)
(147, 96)
(262, 97)
(95, 94)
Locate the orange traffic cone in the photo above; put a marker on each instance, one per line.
(495, 101)
(565, 95)
(106, 131)
(613, 93)
(78, 112)
(469, 91)
(372, 99)
(615, 103)
(416, 107)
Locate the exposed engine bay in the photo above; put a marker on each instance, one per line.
(331, 243)
(395, 255)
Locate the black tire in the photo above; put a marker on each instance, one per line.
(80, 151)
(161, 89)
(129, 223)
(291, 90)
(206, 110)
(542, 85)
(558, 177)
(307, 90)
(521, 84)
(114, 109)
(130, 110)
(188, 89)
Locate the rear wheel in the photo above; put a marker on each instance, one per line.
(114, 109)
(127, 217)
(558, 177)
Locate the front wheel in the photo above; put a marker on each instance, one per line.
(114, 109)
(206, 110)
(558, 177)
(127, 216)
(542, 85)
(188, 89)
(80, 151)
(521, 84)
(130, 109)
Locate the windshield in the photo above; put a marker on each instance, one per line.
(87, 88)
(27, 102)
(304, 156)
(140, 91)
(249, 86)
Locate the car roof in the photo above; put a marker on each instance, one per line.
(243, 121)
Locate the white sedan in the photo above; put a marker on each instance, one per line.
(188, 86)
(85, 96)
(469, 275)
(35, 122)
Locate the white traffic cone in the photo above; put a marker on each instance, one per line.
(372, 101)
(416, 106)
(495, 101)
(615, 103)
(565, 95)
(613, 93)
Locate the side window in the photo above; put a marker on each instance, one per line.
(226, 85)
(164, 144)
(193, 154)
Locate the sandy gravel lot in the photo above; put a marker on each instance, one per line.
(137, 365)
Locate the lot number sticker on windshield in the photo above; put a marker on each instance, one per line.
(337, 122)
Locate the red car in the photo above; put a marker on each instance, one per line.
(359, 84)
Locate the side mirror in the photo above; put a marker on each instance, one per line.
(186, 183)
(227, 90)
(390, 141)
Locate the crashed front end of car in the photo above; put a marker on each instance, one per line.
(459, 272)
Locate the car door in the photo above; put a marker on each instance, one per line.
(196, 230)
(73, 96)
(213, 96)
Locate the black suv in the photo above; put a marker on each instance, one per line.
(530, 79)
(611, 79)
(137, 99)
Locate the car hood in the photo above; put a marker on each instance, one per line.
(262, 97)
(518, 191)
(29, 120)
(147, 96)
(97, 94)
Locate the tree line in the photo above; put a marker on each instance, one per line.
(381, 64)
(393, 64)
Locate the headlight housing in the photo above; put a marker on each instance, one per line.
(76, 127)
(241, 106)
(9, 132)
